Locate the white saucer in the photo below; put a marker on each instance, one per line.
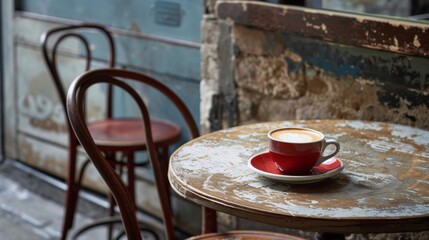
(263, 164)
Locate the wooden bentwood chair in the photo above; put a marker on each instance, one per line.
(116, 186)
(112, 135)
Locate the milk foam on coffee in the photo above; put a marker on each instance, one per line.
(296, 136)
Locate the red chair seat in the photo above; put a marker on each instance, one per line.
(128, 134)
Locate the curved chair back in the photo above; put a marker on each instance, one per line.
(75, 112)
(53, 38)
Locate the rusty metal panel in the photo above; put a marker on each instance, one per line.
(41, 119)
(35, 87)
(152, 57)
(40, 111)
(42, 129)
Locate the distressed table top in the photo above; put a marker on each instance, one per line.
(384, 186)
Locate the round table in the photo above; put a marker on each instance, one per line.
(384, 186)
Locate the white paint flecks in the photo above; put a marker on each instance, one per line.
(418, 136)
(359, 125)
(244, 7)
(324, 28)
(284, 11)
(317, 27)
(372, 180)
(395, 46)
(416, 41)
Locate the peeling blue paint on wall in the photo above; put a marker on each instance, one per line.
(342, 60)
(401, 78)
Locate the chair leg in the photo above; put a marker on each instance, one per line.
(70, 207)
(116, 164)
(111, 213)
(71, 193)
(111, 157)
(129, 162)
(164, 160)
(131, 175)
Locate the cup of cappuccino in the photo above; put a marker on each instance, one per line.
(296, 151)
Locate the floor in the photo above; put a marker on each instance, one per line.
(31, 208)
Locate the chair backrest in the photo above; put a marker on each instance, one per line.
(52, 39)
(117, 187)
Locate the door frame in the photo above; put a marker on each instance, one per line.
(7, 82)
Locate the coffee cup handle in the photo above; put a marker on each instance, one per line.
(326, 157)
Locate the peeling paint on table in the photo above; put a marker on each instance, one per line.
(384, 187)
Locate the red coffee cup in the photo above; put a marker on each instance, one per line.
(296, 151)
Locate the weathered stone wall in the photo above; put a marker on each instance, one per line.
(272, 75)
(275, 81)
(278, 76)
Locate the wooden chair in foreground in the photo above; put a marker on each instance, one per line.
(111, 134)
(116, 185)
